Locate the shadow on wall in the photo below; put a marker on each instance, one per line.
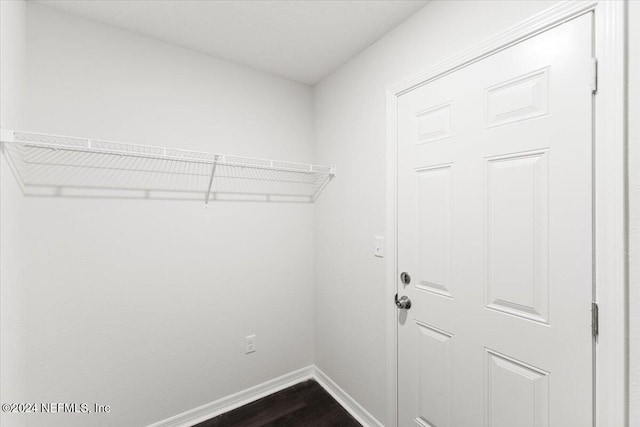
(55, 166)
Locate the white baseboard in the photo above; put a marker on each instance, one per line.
(345, 400)
(220, 406)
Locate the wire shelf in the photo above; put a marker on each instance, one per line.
(51, 161)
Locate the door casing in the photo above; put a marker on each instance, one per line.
(610, 193)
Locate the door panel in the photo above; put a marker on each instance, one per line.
(517, 235)
(517, 394)
(495, 227)
(434, 227)
(433, 385)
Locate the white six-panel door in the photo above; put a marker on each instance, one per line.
(495, 230)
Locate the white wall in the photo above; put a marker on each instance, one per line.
(634, 210)
(350, 125)
(144, 304)
(12, 362)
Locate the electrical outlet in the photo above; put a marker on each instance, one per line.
(250, 344)
(378, 249)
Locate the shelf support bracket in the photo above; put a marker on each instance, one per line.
(213, 172)
(324, 184)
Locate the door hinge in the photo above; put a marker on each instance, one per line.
(594, 319)
(594, 75)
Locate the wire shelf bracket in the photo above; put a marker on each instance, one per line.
(213, 172)
(54, 162)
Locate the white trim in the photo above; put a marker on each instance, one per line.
(548, 18)
(610, 193)
(220, 406)
(226, 404)
(610, 216)
(391, 265)
(345, 400)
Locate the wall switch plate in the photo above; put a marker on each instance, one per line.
(378, 249)
(250, 344)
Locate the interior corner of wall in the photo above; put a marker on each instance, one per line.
(12, 61)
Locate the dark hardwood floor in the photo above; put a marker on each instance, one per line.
(304, 404)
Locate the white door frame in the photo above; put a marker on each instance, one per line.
(610, 191)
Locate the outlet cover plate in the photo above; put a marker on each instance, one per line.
(250, 344)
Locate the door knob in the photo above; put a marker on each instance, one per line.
(403, 303)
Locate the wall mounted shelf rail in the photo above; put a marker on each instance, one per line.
(42, 161)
